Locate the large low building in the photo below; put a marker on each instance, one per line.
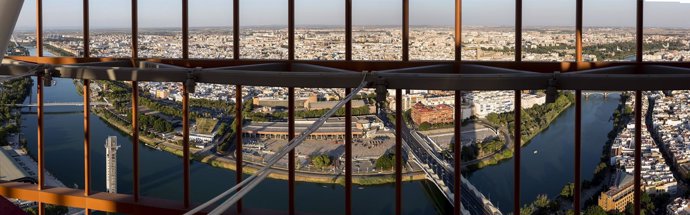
(438, 114)
(620, 193)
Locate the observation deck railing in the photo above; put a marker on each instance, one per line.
(456, 75)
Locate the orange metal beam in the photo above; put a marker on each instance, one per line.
(40, 138)
(135, 139)
(106, 202)
(87, 140)
(185, 144)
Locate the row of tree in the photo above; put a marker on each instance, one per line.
(156, 123)
(536, 118)
(265, 117)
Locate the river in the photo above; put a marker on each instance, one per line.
(548, 170)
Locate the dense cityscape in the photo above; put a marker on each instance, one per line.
(487, 115)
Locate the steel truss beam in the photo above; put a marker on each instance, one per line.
(433, 77)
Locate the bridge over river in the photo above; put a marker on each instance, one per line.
(57, 104)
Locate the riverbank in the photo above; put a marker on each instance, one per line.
(250, 168)
(507, 151)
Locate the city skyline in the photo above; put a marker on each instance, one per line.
(491, 13)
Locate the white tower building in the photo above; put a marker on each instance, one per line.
(111, 164)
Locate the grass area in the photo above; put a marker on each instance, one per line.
(205, 125)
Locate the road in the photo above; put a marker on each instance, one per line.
(425, 155)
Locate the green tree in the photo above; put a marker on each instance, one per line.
(321, 161)
(595, 210)
(567, 191)
(386, 161)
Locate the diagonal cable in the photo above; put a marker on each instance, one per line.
(260, 175)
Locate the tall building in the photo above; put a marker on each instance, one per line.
(111, 164)
(620, 193)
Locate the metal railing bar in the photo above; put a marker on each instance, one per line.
(86, 92)
(185, 145)
(642, 77)
(348, 154)
(316, 68)
(578, 150)
(398, 151)
(239, 174)
(85, 19)
(257, 67)
(135, 30)
(39, 28)
(638, 153)
(40, 139)
(185, 29)
(291, 108)
(516, 151)
(457, 195)
(135, 140)
(236, 30)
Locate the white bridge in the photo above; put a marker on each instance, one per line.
(587, 94)
(76, 104)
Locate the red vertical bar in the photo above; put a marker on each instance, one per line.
(291, 158)
(638, 110)
(578, 148)
(86, 92)
(185, 142)
(39, 111)
(291, 109)
(348, 30)
(348, 154)
(135, 102)
(39, 28)
(185, 29)
(398, 151)
(236, 29)
(291, 29)
(238, 139)
(406, 30)
(516, 152)
(457, 146)
(135, 139)
(135, 32)
(640, 30)
(87, 52)
(578, 31)
(518, 31)
(638, 152)
(398, 109)
(458, 30)
(578, 109)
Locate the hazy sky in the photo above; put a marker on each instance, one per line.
(166, 13)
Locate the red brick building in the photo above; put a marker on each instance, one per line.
(432, 114)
